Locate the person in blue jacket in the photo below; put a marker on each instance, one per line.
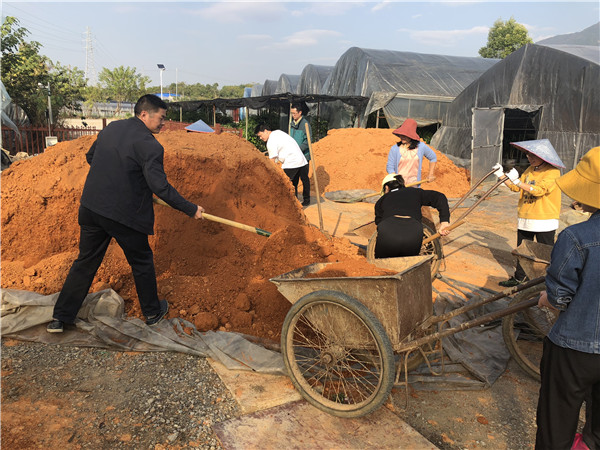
(126, 169)
(406, 157)
(570, 366)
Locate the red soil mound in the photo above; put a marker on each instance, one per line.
(213, 275)
(355, 158)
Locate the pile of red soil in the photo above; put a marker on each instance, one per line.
(355, 158)
(213, 275)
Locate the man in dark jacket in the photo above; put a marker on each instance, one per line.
(298, 132)
(126, 168)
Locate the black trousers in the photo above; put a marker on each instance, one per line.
(398, 237)
(568, 378)
(303, 176)
(543, 237)
(294, 175)
(96, 232)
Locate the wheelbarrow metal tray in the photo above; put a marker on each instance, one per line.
(534, 258)
(399, 301)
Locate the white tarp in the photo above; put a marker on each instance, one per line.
(101, 322)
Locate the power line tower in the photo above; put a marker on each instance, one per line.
(90, 70)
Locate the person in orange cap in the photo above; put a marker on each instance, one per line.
(570, 366)
(406, 157)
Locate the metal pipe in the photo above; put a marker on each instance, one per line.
(507, 292)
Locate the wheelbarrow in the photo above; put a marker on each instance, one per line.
(346, 341)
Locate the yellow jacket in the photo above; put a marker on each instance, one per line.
(543, 202)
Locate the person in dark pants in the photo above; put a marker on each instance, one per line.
(398, 217)
(126, 168)
(570, 366)
(298, 132)
(283, 148)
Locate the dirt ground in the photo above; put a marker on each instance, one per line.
(217, 277)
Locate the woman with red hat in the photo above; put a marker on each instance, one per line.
(406, 157)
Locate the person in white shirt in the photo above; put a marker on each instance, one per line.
(283, 148)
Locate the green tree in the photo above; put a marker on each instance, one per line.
(122, 84)
(505, 38)
(26, 74)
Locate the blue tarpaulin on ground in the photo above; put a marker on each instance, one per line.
(200, 127)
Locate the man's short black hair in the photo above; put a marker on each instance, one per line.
(298, 106)
(150, 103)
(261, 127)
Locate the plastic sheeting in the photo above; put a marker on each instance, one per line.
(287, 84)
(269, 87)
(562, 86)
(101, 323)
(422, 82)
(312, 79)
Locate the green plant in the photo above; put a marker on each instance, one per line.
(319, 128)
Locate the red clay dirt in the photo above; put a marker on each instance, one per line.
(214, 275)
(355, 158)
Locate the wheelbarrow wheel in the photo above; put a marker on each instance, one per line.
(431, 248)
(524, 331)
(337, 354)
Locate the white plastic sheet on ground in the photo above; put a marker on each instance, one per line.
(101, 322)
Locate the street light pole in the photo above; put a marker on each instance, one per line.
(49, 107)
(161, 68)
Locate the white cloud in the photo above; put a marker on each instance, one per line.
(254, 37)
(238, 12)
(304, 38)
(444, 38)
(329, 8)
(381, 5)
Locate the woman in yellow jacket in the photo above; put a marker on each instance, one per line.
(540, 199)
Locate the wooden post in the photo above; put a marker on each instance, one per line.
(312, 156)
(247, 112)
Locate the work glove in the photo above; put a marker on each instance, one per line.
(498, 171)
(513, 176)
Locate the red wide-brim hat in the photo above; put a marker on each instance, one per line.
(408, 129)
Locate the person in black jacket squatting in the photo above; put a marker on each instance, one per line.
(126, 168)
(398, 217)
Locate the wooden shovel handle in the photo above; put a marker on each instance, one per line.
(437, 235)
(210, 217)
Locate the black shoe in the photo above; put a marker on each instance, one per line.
(56, 326)
(306, 203)
(164, 309)
(512, 282)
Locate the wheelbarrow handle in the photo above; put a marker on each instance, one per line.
(210, 217)
(475, 186)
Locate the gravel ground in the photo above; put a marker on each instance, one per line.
(56, 396)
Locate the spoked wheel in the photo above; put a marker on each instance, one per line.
(337, 354)
(524, 331)
(432, 248)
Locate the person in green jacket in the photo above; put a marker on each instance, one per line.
(298, 132)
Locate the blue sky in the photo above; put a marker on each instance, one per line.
(249, 42)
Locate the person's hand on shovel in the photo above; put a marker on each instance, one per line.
(444, 230)
(199, 212)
